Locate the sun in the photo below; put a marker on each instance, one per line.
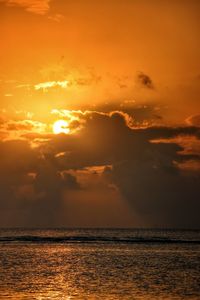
(61, 126)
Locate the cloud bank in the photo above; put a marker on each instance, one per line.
(141, 165)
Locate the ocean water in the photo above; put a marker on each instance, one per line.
(65, 264)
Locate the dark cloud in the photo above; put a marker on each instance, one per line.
(159, 192)
(145, 80)
(31, 186)
(105, 139)
(142, 114)
(146, 173)
(144, 168)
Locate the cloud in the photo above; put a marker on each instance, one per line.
(57, 17)
(159, 192)
(18, 129)
(49, 84)
(139, 167)
(30, 185)
(143, 115)
(111, 137)
(146, 173)
(8, 95)
(72, 81)
(194, 120)
(145, 80)
(25, 125)
(40, 7)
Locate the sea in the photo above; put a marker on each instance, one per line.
(90, 264)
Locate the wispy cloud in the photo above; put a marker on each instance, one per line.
(8, 95)
(57, 18)
(40, 7)
(50, 84)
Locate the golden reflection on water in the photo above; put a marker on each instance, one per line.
(53, 295)
(80, 271)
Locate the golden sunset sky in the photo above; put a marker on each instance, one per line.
(99, 113)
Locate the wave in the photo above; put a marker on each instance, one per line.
(93, 239)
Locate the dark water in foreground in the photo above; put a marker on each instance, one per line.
(99, 264)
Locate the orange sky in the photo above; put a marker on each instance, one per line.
(104, 67)
(100, 47)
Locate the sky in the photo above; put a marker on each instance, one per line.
(100, 113)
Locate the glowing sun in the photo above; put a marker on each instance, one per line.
(61, 126)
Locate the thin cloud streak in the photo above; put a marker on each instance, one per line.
(40, 7)
(50, 84)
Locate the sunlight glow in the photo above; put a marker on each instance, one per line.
(61, 126)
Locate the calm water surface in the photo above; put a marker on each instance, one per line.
(99, 264)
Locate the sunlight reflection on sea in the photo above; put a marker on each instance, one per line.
(106, 268)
